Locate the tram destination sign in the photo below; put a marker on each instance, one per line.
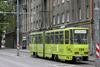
(80, 31)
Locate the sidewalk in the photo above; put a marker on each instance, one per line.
(92, 58)
(24, 50)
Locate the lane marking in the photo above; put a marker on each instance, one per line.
(13, 55)
(62, 65)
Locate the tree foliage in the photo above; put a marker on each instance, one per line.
(6, 6)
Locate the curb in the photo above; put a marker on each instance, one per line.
(24, 51)
(91, 60)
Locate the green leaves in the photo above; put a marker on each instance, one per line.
(6, 6)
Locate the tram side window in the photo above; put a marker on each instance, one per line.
(48, 38)
(36, 40)
(52, 38)
(71, 37)
(61, 37)
(66, 37)
(56, 37)
(30, 39)
(33, 39)
(40, 38)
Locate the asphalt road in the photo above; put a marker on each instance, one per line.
(9, 58)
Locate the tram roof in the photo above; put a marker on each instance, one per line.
(67, 28)
(58, 30)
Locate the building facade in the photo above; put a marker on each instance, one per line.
(65, 13)
(10, 34)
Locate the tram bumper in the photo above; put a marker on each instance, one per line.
(79, 58)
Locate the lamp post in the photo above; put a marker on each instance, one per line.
(17, 27)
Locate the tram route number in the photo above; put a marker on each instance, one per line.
(81, 49)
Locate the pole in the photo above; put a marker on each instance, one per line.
(50, 13)
(96, 20)
(91, 51)
(30, 16)
(17, 27)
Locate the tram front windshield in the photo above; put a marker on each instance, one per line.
(80, 36)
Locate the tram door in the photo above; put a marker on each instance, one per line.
(68, 42)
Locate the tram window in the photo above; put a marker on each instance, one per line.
(48, 38)
(52, 38)
(30, 39)
(81, 37)
(61, 37)
(71, 37)
(40, 40)
(66, 37)
(56, 37)
(33, 39)
(36, 39)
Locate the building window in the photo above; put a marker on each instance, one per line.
(37, 25)
(26, 27)
(34, 25)
(79, 13)
(73, 15)
(67, 16)
(58, 19)
(37, 8)
(87, 12)
(58, 2)
(63, 18)
(53, 20)
(31, 26)
(63, 1)
(31, 11)
(34, 9)
(54, 2)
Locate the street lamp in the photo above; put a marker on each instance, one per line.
(17, 27)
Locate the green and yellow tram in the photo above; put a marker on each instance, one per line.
(70, 44)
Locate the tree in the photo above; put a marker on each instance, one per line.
(6, 6)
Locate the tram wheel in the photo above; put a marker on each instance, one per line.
(35, 54)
